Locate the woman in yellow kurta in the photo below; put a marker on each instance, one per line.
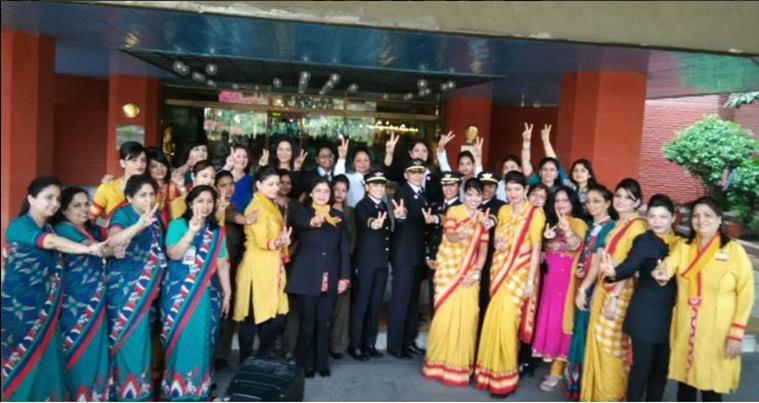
(453, 333)
(110, 193)
(715, 291)
(607, 350)
(261, 274)
(519, 236)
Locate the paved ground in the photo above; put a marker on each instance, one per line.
(390, 379)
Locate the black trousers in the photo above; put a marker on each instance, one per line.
(267, 335)
(315, 329)
(687, 393)
(403, 321)
(648, 373)
(368, 289)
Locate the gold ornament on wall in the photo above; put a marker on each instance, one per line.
(131, 110)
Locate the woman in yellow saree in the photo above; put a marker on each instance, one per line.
(518, 242)
(606, 364)
(453, 333)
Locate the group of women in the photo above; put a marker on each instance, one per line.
(615, 301)
(126, 296)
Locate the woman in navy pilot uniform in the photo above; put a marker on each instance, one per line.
(371, 258)
(321, 270)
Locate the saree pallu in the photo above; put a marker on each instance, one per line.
(606, 364)
(576, 355)
(190, 314)
(453, 333)
(498, 354)
(132, 286)
(83, 327)
(32, 355)
(607, 350)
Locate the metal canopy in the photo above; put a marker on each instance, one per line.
(89, 40)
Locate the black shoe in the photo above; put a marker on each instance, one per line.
(221, 364)
(403, 355)
(325, 373)
(372, 352)
(357, 354)
(499, 395)
(414, 349)
(526, 369)
(310, 373)
(337, 356)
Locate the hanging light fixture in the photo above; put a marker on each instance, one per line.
(181, 68)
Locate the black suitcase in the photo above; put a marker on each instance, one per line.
(266, 380)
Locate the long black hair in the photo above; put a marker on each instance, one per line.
(212, 221)
(275, 162)
(587, 165)
(608, 196)
(550, 207)
(714, 206)
(67, 196)
(155, 154)
(35, 187)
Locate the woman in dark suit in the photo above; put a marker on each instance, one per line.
(650, 313)
(320, 271)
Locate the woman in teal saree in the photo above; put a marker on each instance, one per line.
(194, 295)
(32, 352)
(132, 285)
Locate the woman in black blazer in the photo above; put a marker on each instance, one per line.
(321, 270)
(650, 313)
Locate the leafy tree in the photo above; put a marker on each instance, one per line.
(709, 148)
(721, 154)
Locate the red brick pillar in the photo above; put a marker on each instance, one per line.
(28, 73)
(470, 106)
(601, 119)
(141, 91)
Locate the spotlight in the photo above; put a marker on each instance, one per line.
(211, 83)
(422, 83)
(408, 96)
(353, 87)
(181, 68)
(305, 76)
(211, 69)
(277, 82)
(198, 76)
(334, 77)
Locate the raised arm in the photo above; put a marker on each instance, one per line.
(545, 135)
(526, 138)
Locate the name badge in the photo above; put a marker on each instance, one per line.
(721, 256)
(189, 256)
